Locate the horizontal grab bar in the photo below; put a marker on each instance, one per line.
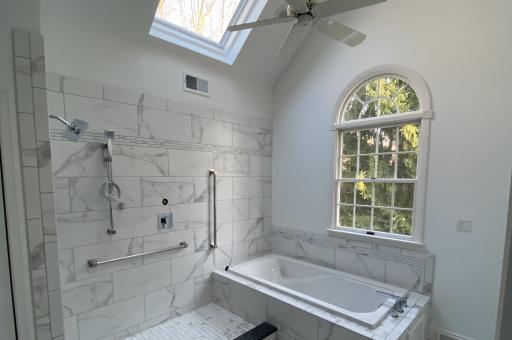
(95, 262)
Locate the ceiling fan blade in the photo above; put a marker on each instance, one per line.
(300, 6)
(260, 23)
(340, 32)
(333, 7)
(295, 37)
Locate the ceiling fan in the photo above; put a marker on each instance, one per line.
(313, 14)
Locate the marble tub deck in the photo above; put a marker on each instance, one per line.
(210, 322)
(279, 310)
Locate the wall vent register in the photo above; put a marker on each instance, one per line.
(195, 84)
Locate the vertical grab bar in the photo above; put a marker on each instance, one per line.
(213, 174)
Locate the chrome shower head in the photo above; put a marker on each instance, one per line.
(74, 130)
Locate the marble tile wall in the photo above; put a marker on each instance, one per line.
(163, 149)
(38, 183)
(405, 268)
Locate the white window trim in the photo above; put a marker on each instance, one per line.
(231, 43)
(424, 116)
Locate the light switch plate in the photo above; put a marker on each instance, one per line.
(463, 225)
(165, 220)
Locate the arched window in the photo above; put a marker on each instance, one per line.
(382, 139)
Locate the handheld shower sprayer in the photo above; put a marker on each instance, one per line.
(74, 130)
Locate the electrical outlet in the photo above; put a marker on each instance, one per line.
(165, 220)
(463, 225)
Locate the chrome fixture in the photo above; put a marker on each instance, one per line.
(95, 262)
(213, 173)
(399, 305)
(74, 130)
(110, 189)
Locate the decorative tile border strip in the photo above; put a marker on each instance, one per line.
(356, 247)
(92, 137)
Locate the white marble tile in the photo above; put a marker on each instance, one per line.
(56, 319)
(71, 328)
(330, 331)
(52, 266)
(405, 275)
(133, 222)
(66, 265)
(40, 293)
(360, 264)
(105, 251)
(260, 166)
(76, 229)
(87, 195)
(231, 165)
(111, 319)
(203, 289)
(62, 200)
(43, 329)
(143, 279)
(72, 159)
(231, 117)
(37, 60)
(133, 97)
(251, 302)
(261, 122)
(166, 240)
(235, 210)
(165, 125)
(191, 266)
(174, 189)
(139, 161)
(48, 214)
(201, 239)
(224, 233)
(102, 115)
(41, 115)
(45, 166)
(35, 244)
(27, 139)
(87, 294)
(206, 131)
(190, 163)
(249, 187)
(31, 190)
(259, 247)
(80, 87)
(312, 253)
(194, 109)
(192, 214)
(167, 300)
(260, 207)
(247, 230)
(203, 186)
(283, 246)
(252, 137)
(292, 321)
(21, 43)
(23, 85)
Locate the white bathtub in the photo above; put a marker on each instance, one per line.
(358, 299)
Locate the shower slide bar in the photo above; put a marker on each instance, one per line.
(213, 173)
(95, 262)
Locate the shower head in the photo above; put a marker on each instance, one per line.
(74, 130)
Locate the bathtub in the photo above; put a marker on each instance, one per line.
(355, 298)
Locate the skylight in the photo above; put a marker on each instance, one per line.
(207, 18)
(200, 25)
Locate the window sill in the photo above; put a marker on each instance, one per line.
(411, 245)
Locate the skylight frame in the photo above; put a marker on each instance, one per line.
(230, 44)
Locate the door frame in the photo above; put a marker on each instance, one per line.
(15, 218)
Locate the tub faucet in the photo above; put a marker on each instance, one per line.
(399, 305)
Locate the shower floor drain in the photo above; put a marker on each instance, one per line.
(208, 322)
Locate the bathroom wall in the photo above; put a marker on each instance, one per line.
(467, 68)
(38, 189)
(163, 149)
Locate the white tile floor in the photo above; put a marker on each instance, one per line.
(210, 322)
